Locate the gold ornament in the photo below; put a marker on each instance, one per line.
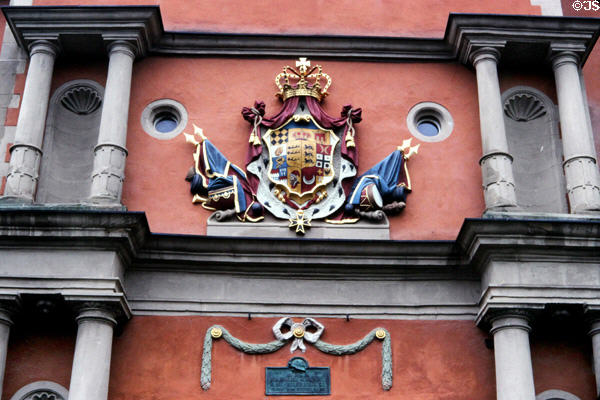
(380, 334)
(300, 222)
(305, 81)
(216, 333)
(299, 332)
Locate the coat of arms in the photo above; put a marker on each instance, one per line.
(302, 163)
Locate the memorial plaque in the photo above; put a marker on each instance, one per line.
(297, 379)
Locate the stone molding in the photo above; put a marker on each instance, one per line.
(443, 279)
(142, 26)
(556, 395)
(51, 390)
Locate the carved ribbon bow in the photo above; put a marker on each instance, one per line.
(254, 115)
(298, 331)
(352, 116)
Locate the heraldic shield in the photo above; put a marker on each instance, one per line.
(301, 158)
(301, 164)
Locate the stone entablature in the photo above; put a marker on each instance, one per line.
(142, 26)
(113, 257)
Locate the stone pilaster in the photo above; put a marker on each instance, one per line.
(514, 373)
(110, 152)
(93, 349)
(580, 165)
(26, 153)
(496, 162)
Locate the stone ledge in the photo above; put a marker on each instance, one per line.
(278, 228)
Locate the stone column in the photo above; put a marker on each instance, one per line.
(91, 363)
(26, 153)
(5, 324)
(581, 169)
(514, 373)
(496, 162)
(595, 335)
(110, 152)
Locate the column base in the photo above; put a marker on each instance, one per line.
(15, 200)
(498, 186)
(583, 185)
(104, 202)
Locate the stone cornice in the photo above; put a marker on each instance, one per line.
(528, 36)
(86, 29)
(74, 228)
(519, 237)
(480, 244)
(129, 234)
(76, 29)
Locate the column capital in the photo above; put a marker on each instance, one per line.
(123, 47)
(564, 57)
(9, 307)
(517, 318)
(592, 318)
(6, 314)
(45, 47)
(485, 53)
(511, 321)
(96, 311)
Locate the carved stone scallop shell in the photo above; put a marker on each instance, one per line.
(524, 107)
(81, 100)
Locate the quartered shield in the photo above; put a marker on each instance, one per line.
(301, 157)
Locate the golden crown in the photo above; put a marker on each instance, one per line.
(305, 81)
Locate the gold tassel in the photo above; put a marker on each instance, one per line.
(350, 142)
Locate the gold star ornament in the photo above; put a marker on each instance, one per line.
(300, 222)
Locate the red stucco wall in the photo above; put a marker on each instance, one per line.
(159, 358)
(425, 18)
(36, 356)
(446, 176)
(386, 92)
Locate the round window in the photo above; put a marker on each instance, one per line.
(165, 122)
(429, 122)
(164, 119)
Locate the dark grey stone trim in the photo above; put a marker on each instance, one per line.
(86, 28)
(527, 37)
(129, 231)
(177, 274)
(365, 48)
(74, 28)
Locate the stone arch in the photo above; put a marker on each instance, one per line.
(531, 123)
(41, 390)
(71, 134)
(556, 395)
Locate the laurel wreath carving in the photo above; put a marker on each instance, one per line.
(328, 348)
